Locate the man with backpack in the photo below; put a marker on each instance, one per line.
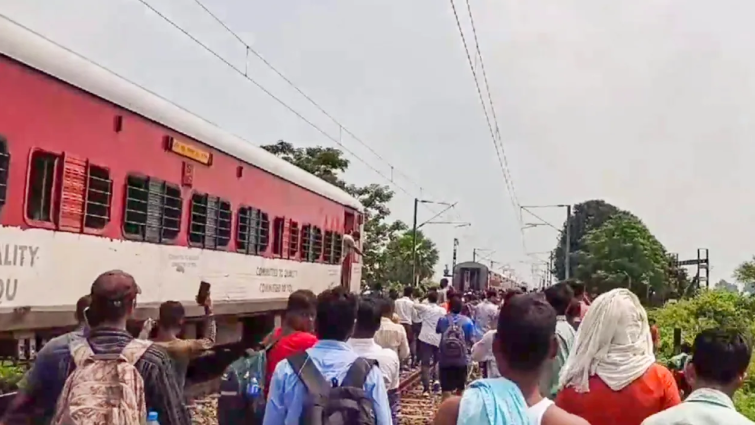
(456, 339)
(329, 383)
(83, 378)
(240, 402)
(364, 343)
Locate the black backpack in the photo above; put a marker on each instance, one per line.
(327, 404)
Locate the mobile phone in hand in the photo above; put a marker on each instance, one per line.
(204, 292)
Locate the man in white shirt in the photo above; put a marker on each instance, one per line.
(486, 318)
(482, 353)
(363, 343)
(717, 370)
(486, 313)
(428, 340)
(404, 307)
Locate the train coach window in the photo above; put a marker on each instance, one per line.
(42, 174)
(4, 166)
(253, 232)
(316, 243)
(210, 225)
(279, 231)
(98, 196)
(293, 239)
(152, 211)
(328, 253)
(306, 243)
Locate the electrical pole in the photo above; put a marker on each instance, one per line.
(474, 255)
(453, 260)
(414, 244)
(568, 243)
(567, 235)
(415, 228)
(550, 270)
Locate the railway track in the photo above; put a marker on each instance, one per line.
(416, 408)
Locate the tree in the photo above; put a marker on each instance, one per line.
(745, 274)
(328, 164)
(378, 232)
(325, 163)
(726, 286)
(623, 253)
(398, 257)
(587, 216)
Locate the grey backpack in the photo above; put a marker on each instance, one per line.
(453, 348)
(331, 404)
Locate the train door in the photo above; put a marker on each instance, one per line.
(475, 279)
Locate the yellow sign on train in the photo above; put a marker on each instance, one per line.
(191, 152)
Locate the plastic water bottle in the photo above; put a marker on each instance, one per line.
(152, 418)
(253, 388)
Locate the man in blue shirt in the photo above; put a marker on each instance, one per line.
(453, 371)
(336, 315)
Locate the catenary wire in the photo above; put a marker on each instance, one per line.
(498, 145)
(288, 81)
(490, 101)
(484, 108)
(277, 99)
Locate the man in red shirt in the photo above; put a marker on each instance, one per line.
(295, 334)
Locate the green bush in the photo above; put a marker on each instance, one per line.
(710, 309)
(10, 375)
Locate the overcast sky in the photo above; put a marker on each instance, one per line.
(647, 104)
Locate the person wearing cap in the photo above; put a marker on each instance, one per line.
(113, 301)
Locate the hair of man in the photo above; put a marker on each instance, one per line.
(336, 314)
(559, 296)
(720, 357)
(369, 313)
(526, 332)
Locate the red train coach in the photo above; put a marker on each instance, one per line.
(97, 173)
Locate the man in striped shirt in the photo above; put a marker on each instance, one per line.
(113, 302)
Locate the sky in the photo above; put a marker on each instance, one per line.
(646, 103)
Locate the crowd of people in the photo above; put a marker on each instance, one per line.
(550, 357)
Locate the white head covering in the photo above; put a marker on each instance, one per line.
(613, 342)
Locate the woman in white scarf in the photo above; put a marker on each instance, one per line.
(611, 375)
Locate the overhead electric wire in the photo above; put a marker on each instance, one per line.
(277, 99)
(494, 135)
(490, 101)
(300, 91)
(504, 170)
